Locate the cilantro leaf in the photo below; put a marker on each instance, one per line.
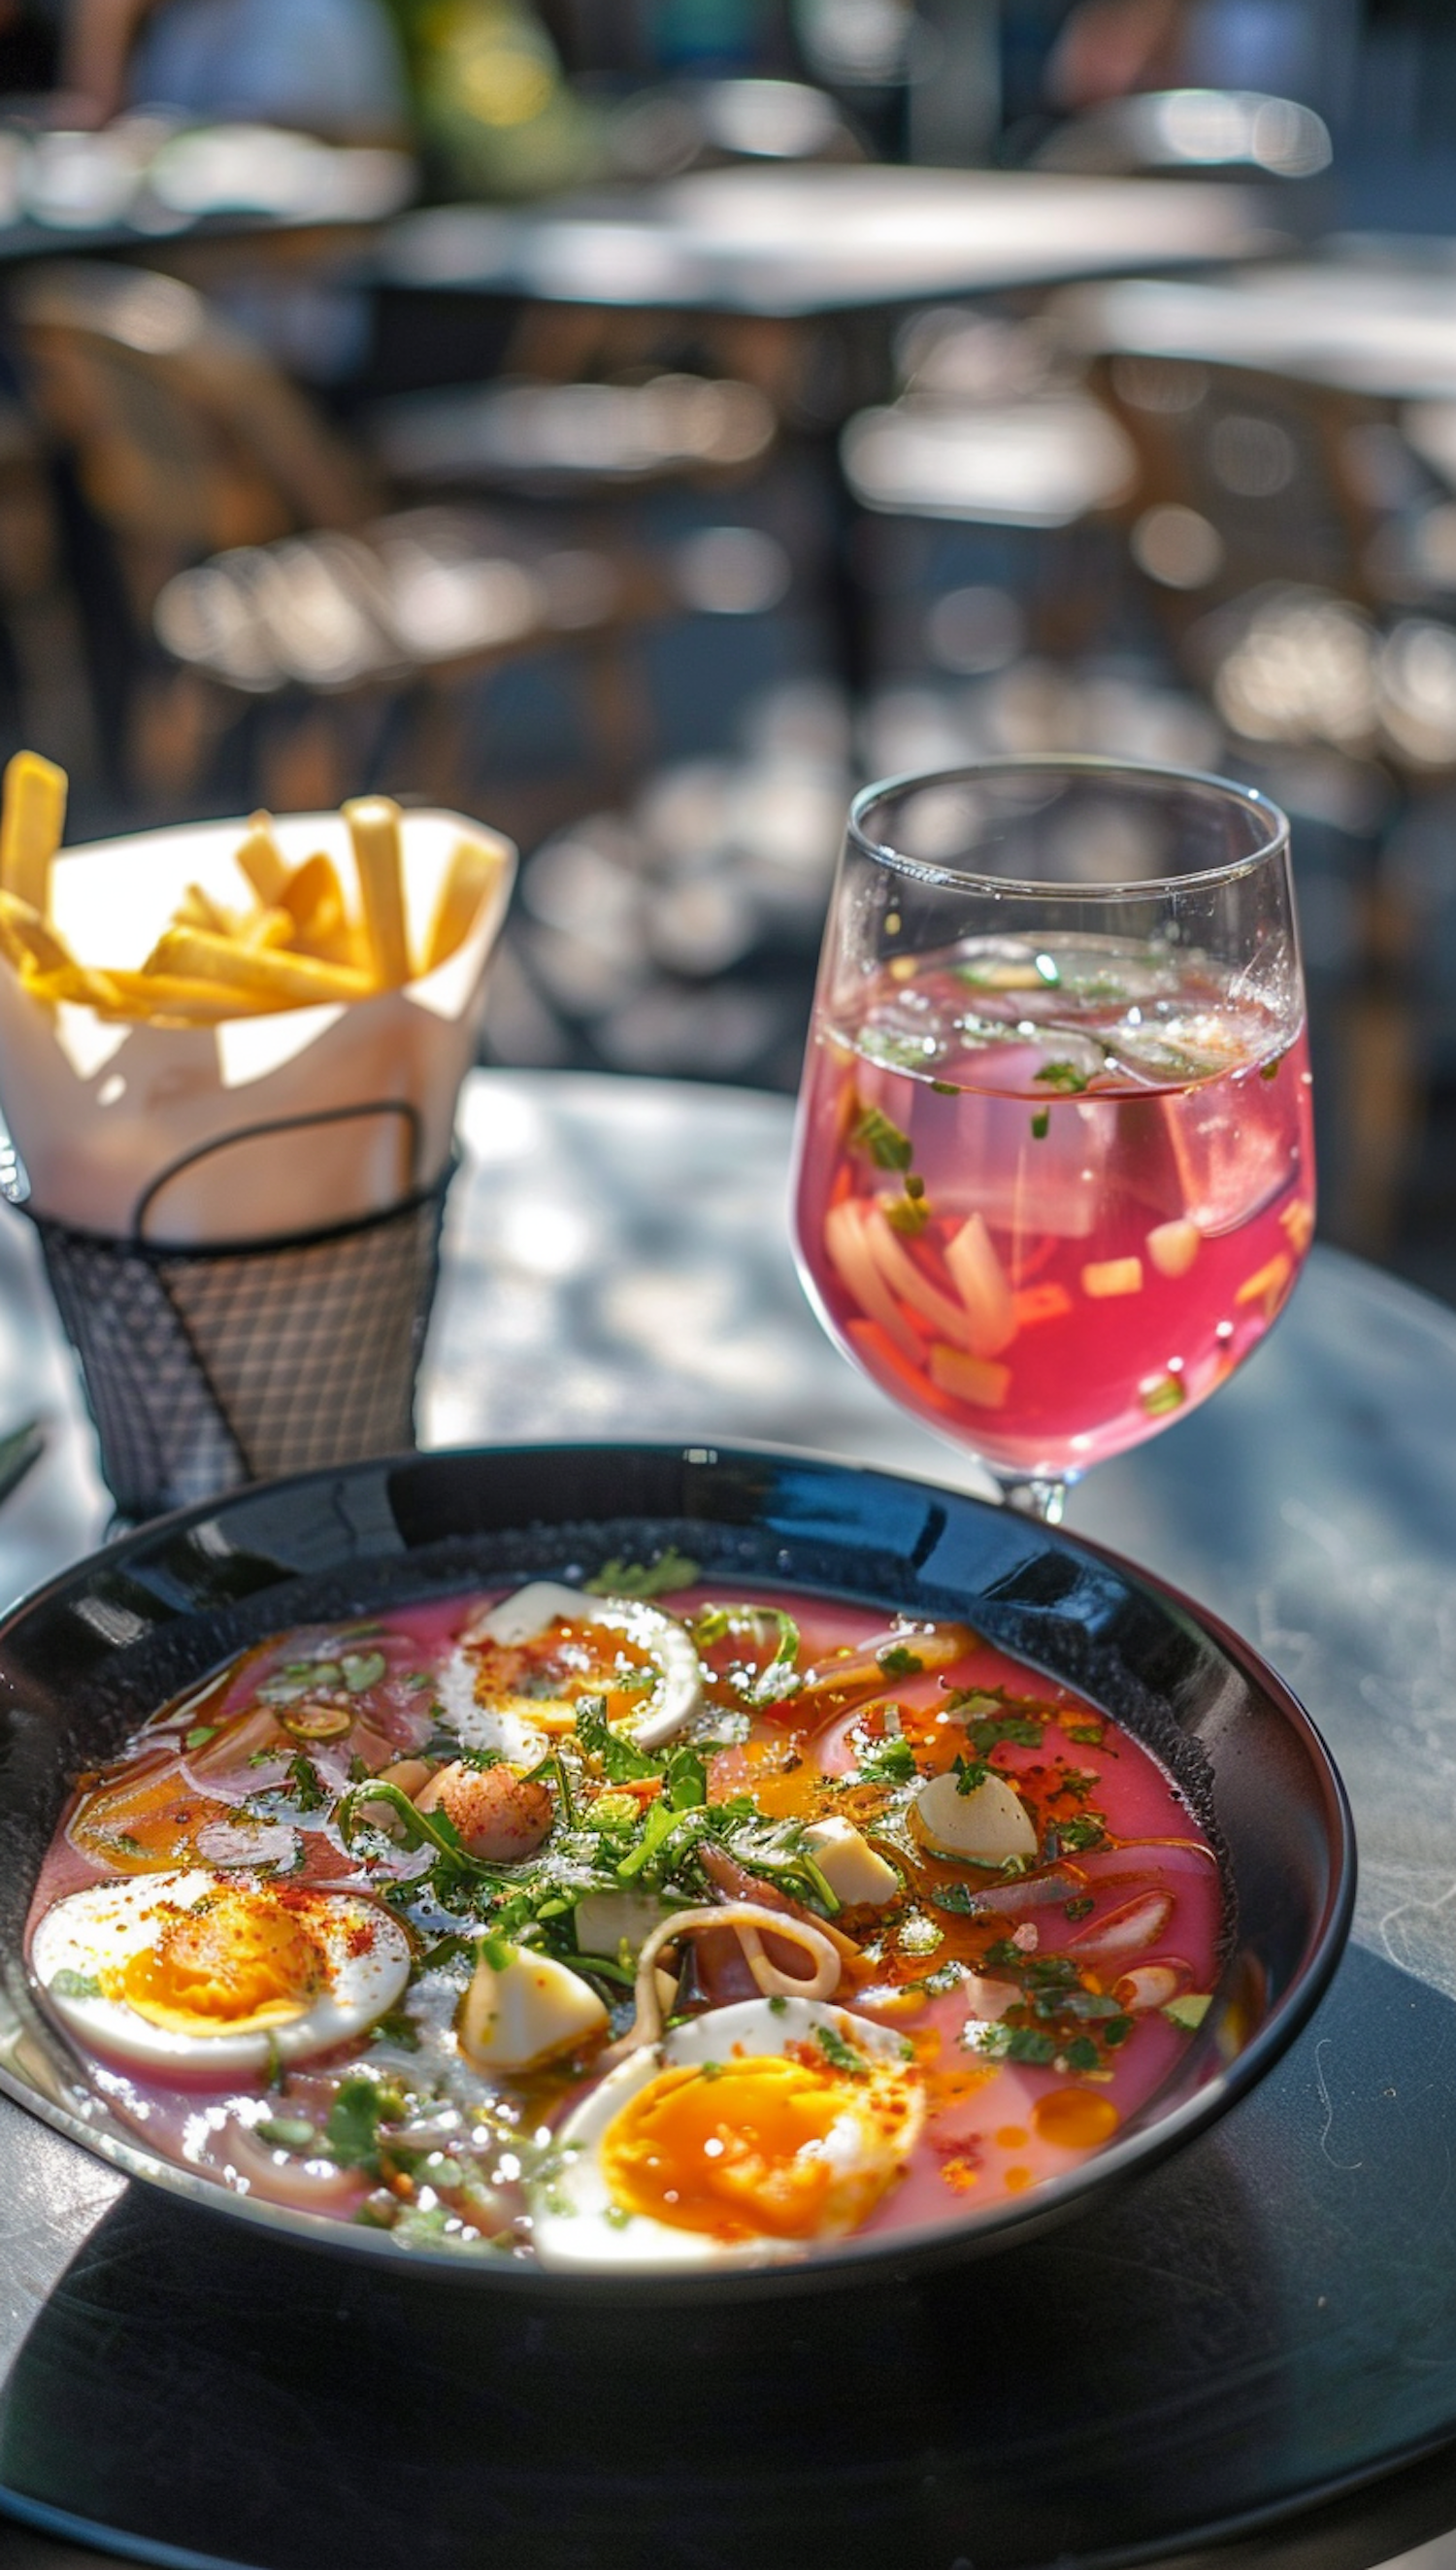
(891, 1761)
(970, 1773)
(620, 1759)
(686, 1782)
(1064, 1077)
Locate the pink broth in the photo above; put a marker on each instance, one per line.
(1044, 2002)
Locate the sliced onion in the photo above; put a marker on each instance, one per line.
(1152, 1985)
(1128, 1930)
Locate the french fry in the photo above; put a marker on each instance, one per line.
(262, 860)
(146, 998)
(472, 871)
(29, 940)
(314, 897)
(374, 829)
(277, 978)
(32, 818)
(197, 909)
(80, 982)
(265, 929)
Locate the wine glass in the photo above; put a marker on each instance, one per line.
(1055, 1167)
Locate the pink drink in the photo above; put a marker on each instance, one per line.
(1050, 1197)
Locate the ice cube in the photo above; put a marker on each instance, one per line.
(1031, 1164)
(1229, 1159)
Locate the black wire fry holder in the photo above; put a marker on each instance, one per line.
(205, 1368)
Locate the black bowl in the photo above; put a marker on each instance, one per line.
(81, 1661)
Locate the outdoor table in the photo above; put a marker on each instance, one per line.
(1377, 325)
(1256, 2343)
(789, 243)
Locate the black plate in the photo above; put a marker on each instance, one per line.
(87, 1657)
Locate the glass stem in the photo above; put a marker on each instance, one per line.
(1035, 1498)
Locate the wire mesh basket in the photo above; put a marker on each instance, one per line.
(206, 1367)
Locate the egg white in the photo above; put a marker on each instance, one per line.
(678, 1696)
(575, 2222)
(95, 1930)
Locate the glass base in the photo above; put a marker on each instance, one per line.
(1044, 1498)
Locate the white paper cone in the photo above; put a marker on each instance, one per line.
(103, 1114)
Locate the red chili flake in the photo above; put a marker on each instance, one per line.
(963, 2146)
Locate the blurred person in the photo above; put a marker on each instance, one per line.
(330, 66)
(498, 114)
(1108, 48)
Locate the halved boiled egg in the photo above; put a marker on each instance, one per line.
(749, 2133)
(218, 1974)
(521, 1668)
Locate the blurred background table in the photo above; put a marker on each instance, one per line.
(617, 1266)
(791, 242)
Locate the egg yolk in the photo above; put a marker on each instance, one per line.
(229, 1965)
(756, 2146)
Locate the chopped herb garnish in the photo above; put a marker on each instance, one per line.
(75, 1985)
(956, 1897)
(945, 1089)
(685, 1784)
(200, 1734)
(620, 1759)
(1082, 1908)
(1081, 2053)
(1065, 1838)
(304, 1784)
(988, 1730)
(873, 1133)
(891, 1761)
(1041, 1124)
(970, 1773)
(897, 1660)
(1026, 2043)
(1064, 1077)
(840, 2055)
